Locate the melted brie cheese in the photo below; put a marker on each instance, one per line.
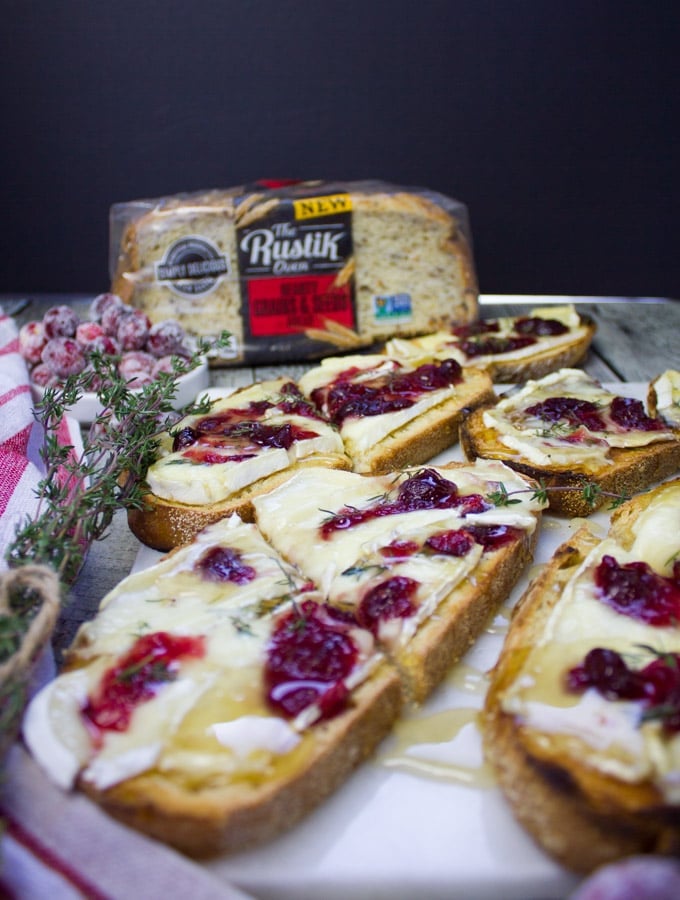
(177, 477)
(543, 444)
(361, 433)
(615, 738)
(667, 389)
(443, 344)
(292, 516)
(210, 719)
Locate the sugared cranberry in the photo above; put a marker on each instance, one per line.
(105, 344)
(225, 564)
(32, 340)
(630, 414)
(60, 321)
(636, 590)
(540, 327)
(88, 332)
(111, 317)
(391, 599)
(152, 660)
(133, 330)
(163, 364)
(135, 368)
(101, 303)
(309, 656)
(43, 376)
(63, 356)
(166, 338)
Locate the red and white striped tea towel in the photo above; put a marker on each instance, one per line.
(57, 845)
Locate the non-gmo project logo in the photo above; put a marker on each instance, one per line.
(192, 266)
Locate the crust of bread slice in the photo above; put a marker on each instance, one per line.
(202, 821)
(163, 524)
(461, 617)
(631, 469)
(429, 434)
(579, 815)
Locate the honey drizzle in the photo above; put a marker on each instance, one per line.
(439, 728)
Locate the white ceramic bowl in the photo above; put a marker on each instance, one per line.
(88, 407)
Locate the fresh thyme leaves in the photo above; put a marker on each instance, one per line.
(79, 493)
(591, 493)
(359, 569)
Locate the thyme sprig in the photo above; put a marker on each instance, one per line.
(80, 492)
(589, 491)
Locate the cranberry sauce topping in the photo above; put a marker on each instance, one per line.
(224, 564)
(423, 490)
(657, 685)
(152, 660)
(345, 398)
(399, 549)
(489, 345)
(625, 414)
(630, 415)
(489, 327)
(228, 427)
(459, 542)
(242, 434)
(636, 590)
(540, 327)
(309, 656)
(571, 410)
(391, 599)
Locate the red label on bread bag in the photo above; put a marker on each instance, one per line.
(295, 256)
(289, 305)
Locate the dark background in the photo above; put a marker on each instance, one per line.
(555, 122)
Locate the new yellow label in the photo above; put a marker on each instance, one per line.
(313, 207)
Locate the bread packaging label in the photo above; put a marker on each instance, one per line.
(297, 271)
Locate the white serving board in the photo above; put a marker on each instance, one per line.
(404, 825)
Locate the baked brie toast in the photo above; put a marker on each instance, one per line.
(211, 464)
(221, 694)
(582, 716)
(510, 348)
(392, 414)
(421, 558)
(215, 698)
(581, 441)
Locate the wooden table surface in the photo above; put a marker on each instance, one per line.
(636, 340)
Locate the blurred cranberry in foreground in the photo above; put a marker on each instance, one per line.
(636, 878)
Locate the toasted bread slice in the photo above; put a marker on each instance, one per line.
(584, 444)
(422, 559)
(180, 714)
(663, 398)
(591, 773)
(391, 414)
(511, 348)
(213, 464)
